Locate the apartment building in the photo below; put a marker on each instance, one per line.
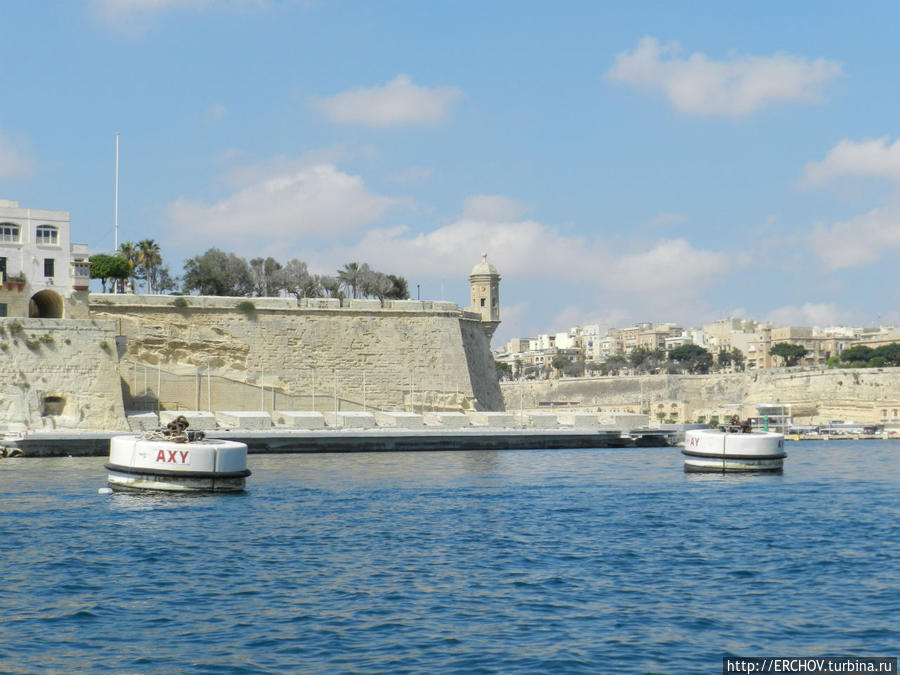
(42, 271)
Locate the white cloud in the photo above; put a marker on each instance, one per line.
(304, 200)
(810, 314)
(14, 161)
(671, 267)
(492, 208)
(740, 85)
(860, 240)
(399, 102)
(876, 158)
(523, 249)
(529, 250)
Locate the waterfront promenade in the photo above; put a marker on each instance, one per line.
(96, 444)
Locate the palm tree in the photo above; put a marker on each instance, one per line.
(128, 251)
(148, 257)
(349, 277)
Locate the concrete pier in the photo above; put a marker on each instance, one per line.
(283, 440)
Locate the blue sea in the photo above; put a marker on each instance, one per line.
(564, 561)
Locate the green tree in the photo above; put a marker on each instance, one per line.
(399, 288)
(858, 353)
(331, 285)
(559, 362)
(686, 352)
(890, 353)
(218, 273)
(644, 359)
(295, 278)
(266, 277)
(613, 363)
(791, 353)
(164, 282)
(504, 370)
(728, 357)
(575, 368)
(693, 358)
(128, 251)
(349, 278)
(148, 258)
(105, 267)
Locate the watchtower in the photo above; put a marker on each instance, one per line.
(484, 283)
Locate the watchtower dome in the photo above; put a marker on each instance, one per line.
(484, 283)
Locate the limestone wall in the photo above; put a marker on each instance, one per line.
(59, 373)
(816, 395)
(207, 352)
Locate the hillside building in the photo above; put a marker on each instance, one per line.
(44, 275)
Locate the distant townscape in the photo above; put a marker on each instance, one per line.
(728, 345)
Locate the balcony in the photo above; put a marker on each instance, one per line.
(81, 276)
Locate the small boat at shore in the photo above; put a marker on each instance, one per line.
(175, 460)
(731, 448)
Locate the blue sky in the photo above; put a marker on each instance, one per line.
(618, 162)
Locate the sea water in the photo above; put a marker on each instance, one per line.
(565, 561)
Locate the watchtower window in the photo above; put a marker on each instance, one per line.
(9, 232)
(47, 235)
(48, 267)
(482, 302)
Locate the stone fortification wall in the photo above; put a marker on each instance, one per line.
(816, 395)
(59, 374)
(266, 353)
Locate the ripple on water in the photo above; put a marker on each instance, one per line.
(563, 561)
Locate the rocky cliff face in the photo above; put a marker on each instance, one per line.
(59, 374)
(817, 395)
(424, 357)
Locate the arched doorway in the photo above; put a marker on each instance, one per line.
(45, 305)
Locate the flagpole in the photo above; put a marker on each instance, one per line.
(116, 221)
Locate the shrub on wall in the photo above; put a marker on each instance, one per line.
(247, 308)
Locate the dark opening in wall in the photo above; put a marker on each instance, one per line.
(53, 405)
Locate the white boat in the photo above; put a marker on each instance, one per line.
(176, 461)
(732, 448)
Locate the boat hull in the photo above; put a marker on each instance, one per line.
(715, 451)
(137, 464)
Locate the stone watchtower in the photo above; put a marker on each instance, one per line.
(485, 287)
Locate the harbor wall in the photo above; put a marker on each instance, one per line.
(59, 374)
(240, 354)
(817, 395)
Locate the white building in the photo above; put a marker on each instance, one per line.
(42, 271)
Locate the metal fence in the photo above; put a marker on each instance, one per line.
(149, 387)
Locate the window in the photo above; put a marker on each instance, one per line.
(47, 235)
(48, 267)
(9, 232)
(2, 269)
(2, 309)
(482, 302)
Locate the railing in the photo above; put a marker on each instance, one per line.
(145, 387)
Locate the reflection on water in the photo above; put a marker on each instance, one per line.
(532, 561)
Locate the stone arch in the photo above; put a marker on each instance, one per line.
(45, 305)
